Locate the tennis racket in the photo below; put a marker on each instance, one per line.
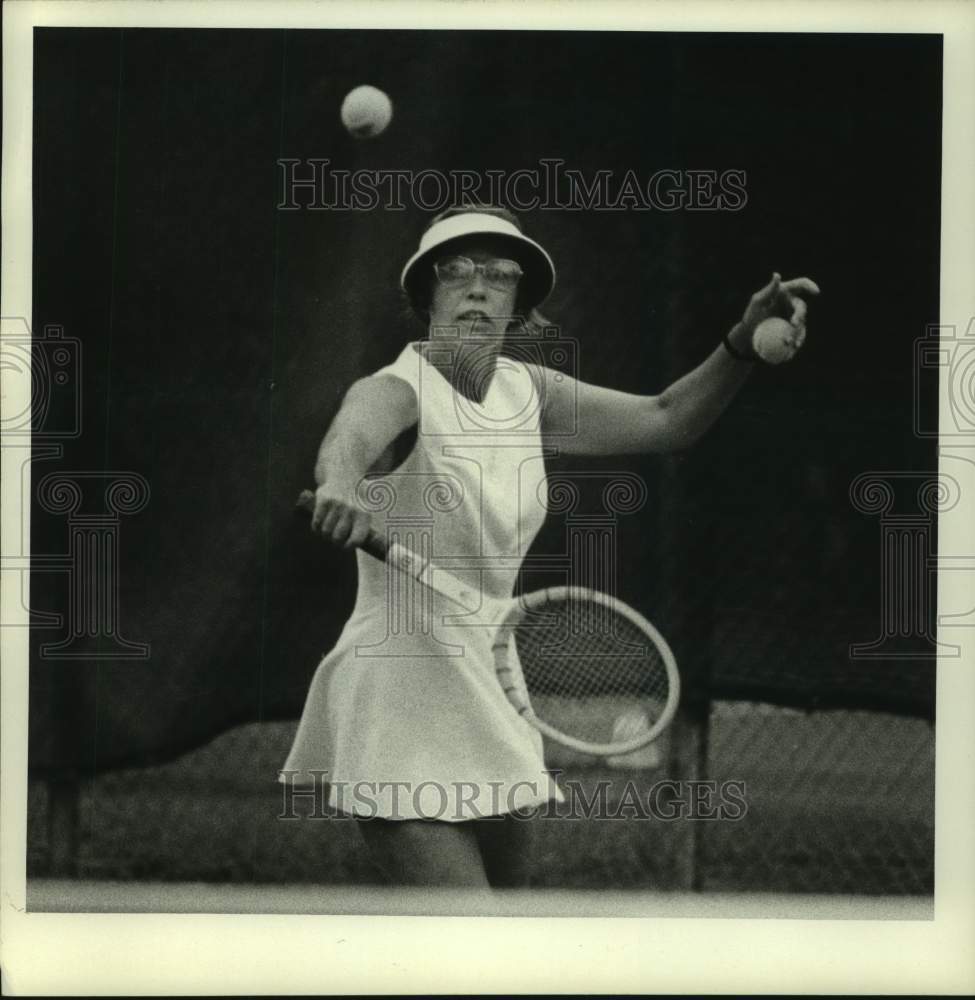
(583, 668)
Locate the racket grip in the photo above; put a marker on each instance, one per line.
(374, 544)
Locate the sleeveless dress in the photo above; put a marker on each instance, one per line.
(405, 713)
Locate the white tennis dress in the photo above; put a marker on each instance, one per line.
(405, 713)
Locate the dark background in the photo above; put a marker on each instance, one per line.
(218, 334)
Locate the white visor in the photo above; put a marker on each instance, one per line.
(539, 269)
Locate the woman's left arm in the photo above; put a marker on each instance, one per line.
(586, 419)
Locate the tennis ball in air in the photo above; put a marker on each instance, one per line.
(772, 340)
(366, 111)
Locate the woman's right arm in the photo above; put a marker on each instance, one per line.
(374, 412)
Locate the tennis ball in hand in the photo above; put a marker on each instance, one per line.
(772, 340)
(366, 111)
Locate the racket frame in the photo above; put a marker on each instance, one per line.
(508, 670)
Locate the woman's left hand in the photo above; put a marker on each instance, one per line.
(783, 299)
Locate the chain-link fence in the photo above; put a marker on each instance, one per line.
(834, 801)
(838, 801)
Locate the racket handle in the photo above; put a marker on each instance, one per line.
(374, 544)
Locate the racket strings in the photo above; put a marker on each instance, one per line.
(585, 666)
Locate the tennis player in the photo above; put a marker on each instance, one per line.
(405, 714)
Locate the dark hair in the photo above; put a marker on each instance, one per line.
(420, 289)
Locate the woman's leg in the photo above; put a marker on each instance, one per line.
(505, 844)
(425, 852)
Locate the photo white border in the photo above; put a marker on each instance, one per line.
(179, 954)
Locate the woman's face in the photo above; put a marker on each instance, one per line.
(474, 307)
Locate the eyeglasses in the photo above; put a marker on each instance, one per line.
(500, 274)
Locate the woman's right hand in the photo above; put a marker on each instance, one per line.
(374, 412)
(337, 520)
